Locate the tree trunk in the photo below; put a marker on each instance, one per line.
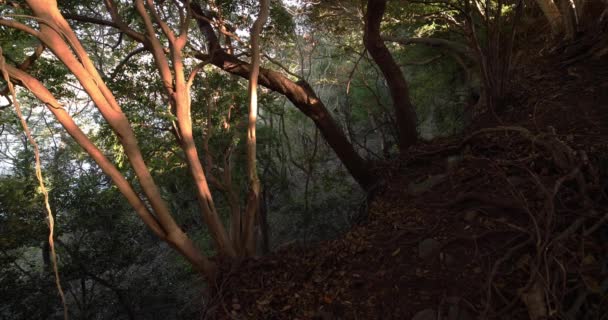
(300, 94)
(181, 243)
(405, 114)
(263, 222)
(58, 36)
(304, 98)
(551, 12)
(569, 19)
(253, 201)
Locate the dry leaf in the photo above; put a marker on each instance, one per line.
(592, 284)
(589, 260)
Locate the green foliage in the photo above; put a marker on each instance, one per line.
(21, 215)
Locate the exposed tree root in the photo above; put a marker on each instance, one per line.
(554, 174)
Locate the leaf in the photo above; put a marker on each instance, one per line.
(523, 261)
(592, 284)
(589, 260)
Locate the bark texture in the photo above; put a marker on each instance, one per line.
(299, 93)
(253, 199)
(552, 14)
(56, 34)
(405, 114)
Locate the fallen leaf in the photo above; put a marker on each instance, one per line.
(589, 260)
(592, 284)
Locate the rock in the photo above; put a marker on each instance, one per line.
(453, 300)
(453, 161)
(516, 181)
(470, 216)
(428, 249)
(458, 313)
(449, 260)
(426, 314)
(426, 185)
(455, 311)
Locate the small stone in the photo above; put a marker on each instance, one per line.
(453, 300)
(516, 181)
(455, 312)
(426, 314)
(453, 162)
(426, 185)
(449, 260)
(470, 216)
(428, 248)
(455, 309)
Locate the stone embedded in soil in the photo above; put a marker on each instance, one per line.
(470, 216)
(428, 249)
(455, 312)
(426, 314)
(449, 260)
(426, 185)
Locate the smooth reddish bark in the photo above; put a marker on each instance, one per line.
(405, 114)
(56, 34)
(253, 199)
(299, 93)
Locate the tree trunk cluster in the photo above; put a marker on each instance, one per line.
(166, 44)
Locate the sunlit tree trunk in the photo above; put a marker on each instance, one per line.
(569, 18)
(253, 199)
(57, 35)
(552, 14)
(186, 247)
(302, 96)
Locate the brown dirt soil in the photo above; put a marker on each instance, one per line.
(504, 219)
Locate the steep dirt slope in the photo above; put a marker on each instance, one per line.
(504, 222)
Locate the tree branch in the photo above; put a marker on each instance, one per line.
(435, 43)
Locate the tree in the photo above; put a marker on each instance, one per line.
(300, 93)
(551, 12)
(253, 202)
(164, 30)
(404, 110)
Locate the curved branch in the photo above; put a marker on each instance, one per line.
(300, 93)
(126, 59)
(40, 92)
(155, 47)
(280, 65)
(27, 63)
(405, 113)
(424, 62)
(93, 20)
(19, 26)
(435, 43)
